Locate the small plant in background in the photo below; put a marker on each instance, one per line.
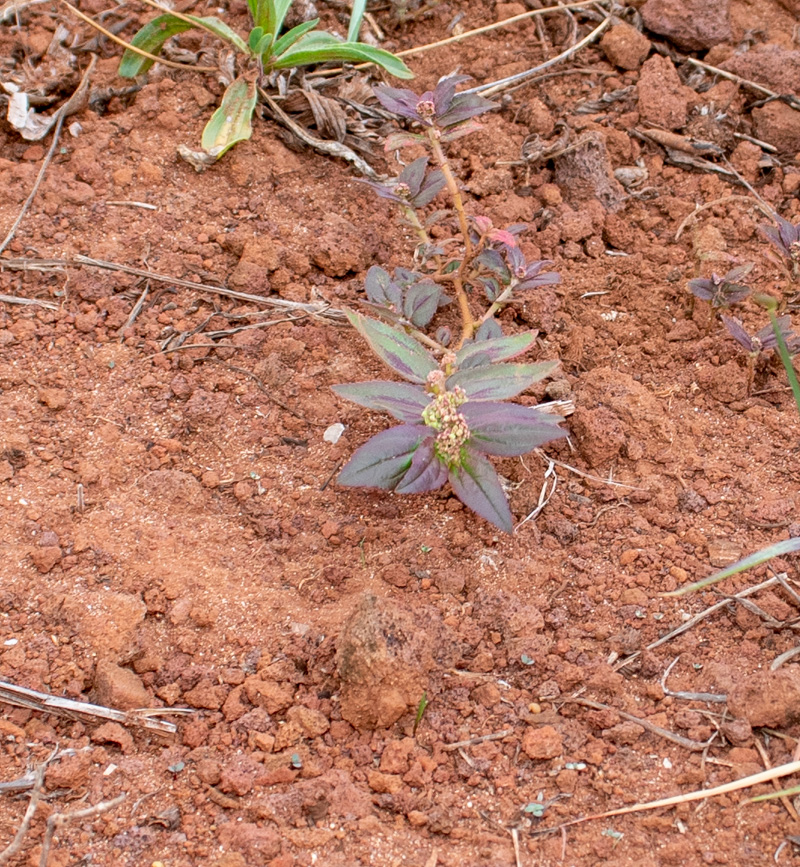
(451, 407)
(763, 341)
(722, 292)
(260, 54)
(785, 238)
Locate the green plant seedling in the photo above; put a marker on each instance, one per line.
(421, 708)
(787, 546)
(263, 51)
(786, 344)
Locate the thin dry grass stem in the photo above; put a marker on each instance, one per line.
(11, 10)
(154, 57)
(419, 49)
(547, 459)
(689, 696)
(73, 104)
(766, 210)
(794, 102)
(36, 793)
(19, 696)
(514, 19)
(493, 88)
(321, 308)
(787, 804)
(703, 614)
(702, 794)
(680, 740)
(14, 299)
(57, 820)
(480, 739)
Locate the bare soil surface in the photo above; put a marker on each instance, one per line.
(173, 536)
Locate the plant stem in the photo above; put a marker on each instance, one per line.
(411, 215)
(455, 194)
(786, 358)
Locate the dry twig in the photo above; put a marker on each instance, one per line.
(19, 696)
(58, 820)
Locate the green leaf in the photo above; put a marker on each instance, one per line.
(276, 12)
(302, 55)
(221, 29)
(291, 36)
(150, 38)
(254, 38)
(356, 16)
(231, 122)
(395, 348)
(499, 381)
(787, 546)
(154, 34)
(384, 459)
(475, 483)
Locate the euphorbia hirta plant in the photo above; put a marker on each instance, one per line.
(451, 405)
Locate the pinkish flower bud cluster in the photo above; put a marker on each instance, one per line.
(452, 432)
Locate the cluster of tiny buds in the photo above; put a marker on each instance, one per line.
(443, 416)
(426, 108)
(794, 250)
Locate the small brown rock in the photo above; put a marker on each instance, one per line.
(119, 687)
(384, 783)
(625, 46)
(113, 733)
(663, 99)
(273, 697)
(542, 742)
(691, 24)
(46, 557)
(54, 398)
(767, 698)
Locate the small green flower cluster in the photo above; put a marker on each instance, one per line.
(443, 416)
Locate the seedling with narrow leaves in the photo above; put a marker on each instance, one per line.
(451, 407)
(262, 53)
(763, 341)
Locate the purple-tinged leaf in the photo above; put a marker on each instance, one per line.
(398, 100)
(421, 302)
(456, 132)
(549, 278)
(400, 139)
(384, 191)
(735, 275)
(491, 287)
(395, 348)
(381, 289)
(499, 381)
(702, 288)
(475, 483)
(443, 335)
(737, 332)
(413, 175)
(493, 260)
(477, 354)
(426, 473)
(387, 314)
(508, 429)
(404, 277)
(446, 89)
(433, 184)
(384, 459)
(489, 330)
(464, 107)
(405, 402)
